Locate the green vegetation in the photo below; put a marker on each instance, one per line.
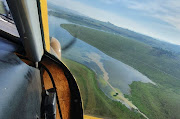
(161, 66)
(95, 102)
(156, 102)
(2, 11)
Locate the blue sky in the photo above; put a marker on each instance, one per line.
(157, 18)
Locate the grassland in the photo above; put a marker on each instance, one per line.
(95, 102)
(157, 102)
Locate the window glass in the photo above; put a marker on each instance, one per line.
(4, 9)
(6, 21)
(125, 55)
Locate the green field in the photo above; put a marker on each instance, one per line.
(95, 102)
(161, 66)
(155, 102)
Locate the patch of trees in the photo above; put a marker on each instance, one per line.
(161, 52)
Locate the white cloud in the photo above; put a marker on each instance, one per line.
(166, 10)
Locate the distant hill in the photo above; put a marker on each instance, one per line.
(78, 18)
(62, 9)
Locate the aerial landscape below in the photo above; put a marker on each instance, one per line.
(121, 74)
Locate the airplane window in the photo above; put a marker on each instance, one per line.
(125, 55)
(6, 21)
(5, 12)
(3, 8)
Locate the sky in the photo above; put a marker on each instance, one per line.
(156, 18)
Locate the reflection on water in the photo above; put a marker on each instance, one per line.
(118, 74)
